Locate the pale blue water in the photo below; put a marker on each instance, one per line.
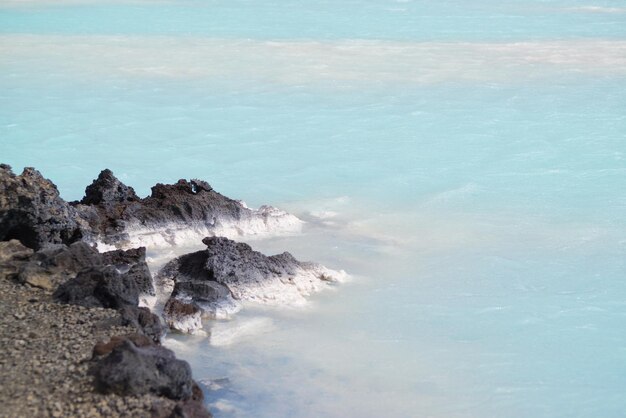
(465, 161)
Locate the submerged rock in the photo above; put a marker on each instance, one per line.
(216, 279)
(32, 211)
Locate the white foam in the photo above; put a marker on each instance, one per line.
(230, 332)
(224, 309)
(288, 291)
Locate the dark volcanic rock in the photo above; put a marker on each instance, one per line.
(185, 202)
(115, 213)
(108, 189)
(105, 288)
(55, 264)
(132, 370)
(213, 279)
(132, 263)
(182, 316)
(201, 291)
(32, 211)
(143, 320)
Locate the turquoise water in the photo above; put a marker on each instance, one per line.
(463, 161)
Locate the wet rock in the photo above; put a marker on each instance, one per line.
(183, 317)
(132, 370)
(205, 292)
(227, 271)
(32, 211)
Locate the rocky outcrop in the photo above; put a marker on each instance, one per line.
(133, 365)
(79, 275)
(172, 214)
(215, 280)
(112, 214)
(136, 370)
(108, 190)
(132, 263)
(99, 287)
(32, 211)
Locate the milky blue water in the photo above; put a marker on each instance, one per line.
(464, 161)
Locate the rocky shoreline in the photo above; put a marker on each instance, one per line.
(78, 336)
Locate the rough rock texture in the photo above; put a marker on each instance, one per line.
(111, 214)
(182, 316)
(82, 276)
(141, 318)
(172, 213)
(132, 263)
(227, 271)
(99, 287)
(32, 211)
(46, 348)
(137, 370)
(107, 189)
(44, 353)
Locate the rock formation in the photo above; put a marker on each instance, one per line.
(32, 211)
(172, 214)
(216, 279)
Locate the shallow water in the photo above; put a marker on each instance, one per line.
(463, 161)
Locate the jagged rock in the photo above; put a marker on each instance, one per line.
(32, 211)
(108, 189)
(171, 214)
(132, 263)
(55, 264)
(183, 317)
(99, 287)
(69, 259)
(226, 272)
(190, 409)
(132, 370)
(104, 348)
